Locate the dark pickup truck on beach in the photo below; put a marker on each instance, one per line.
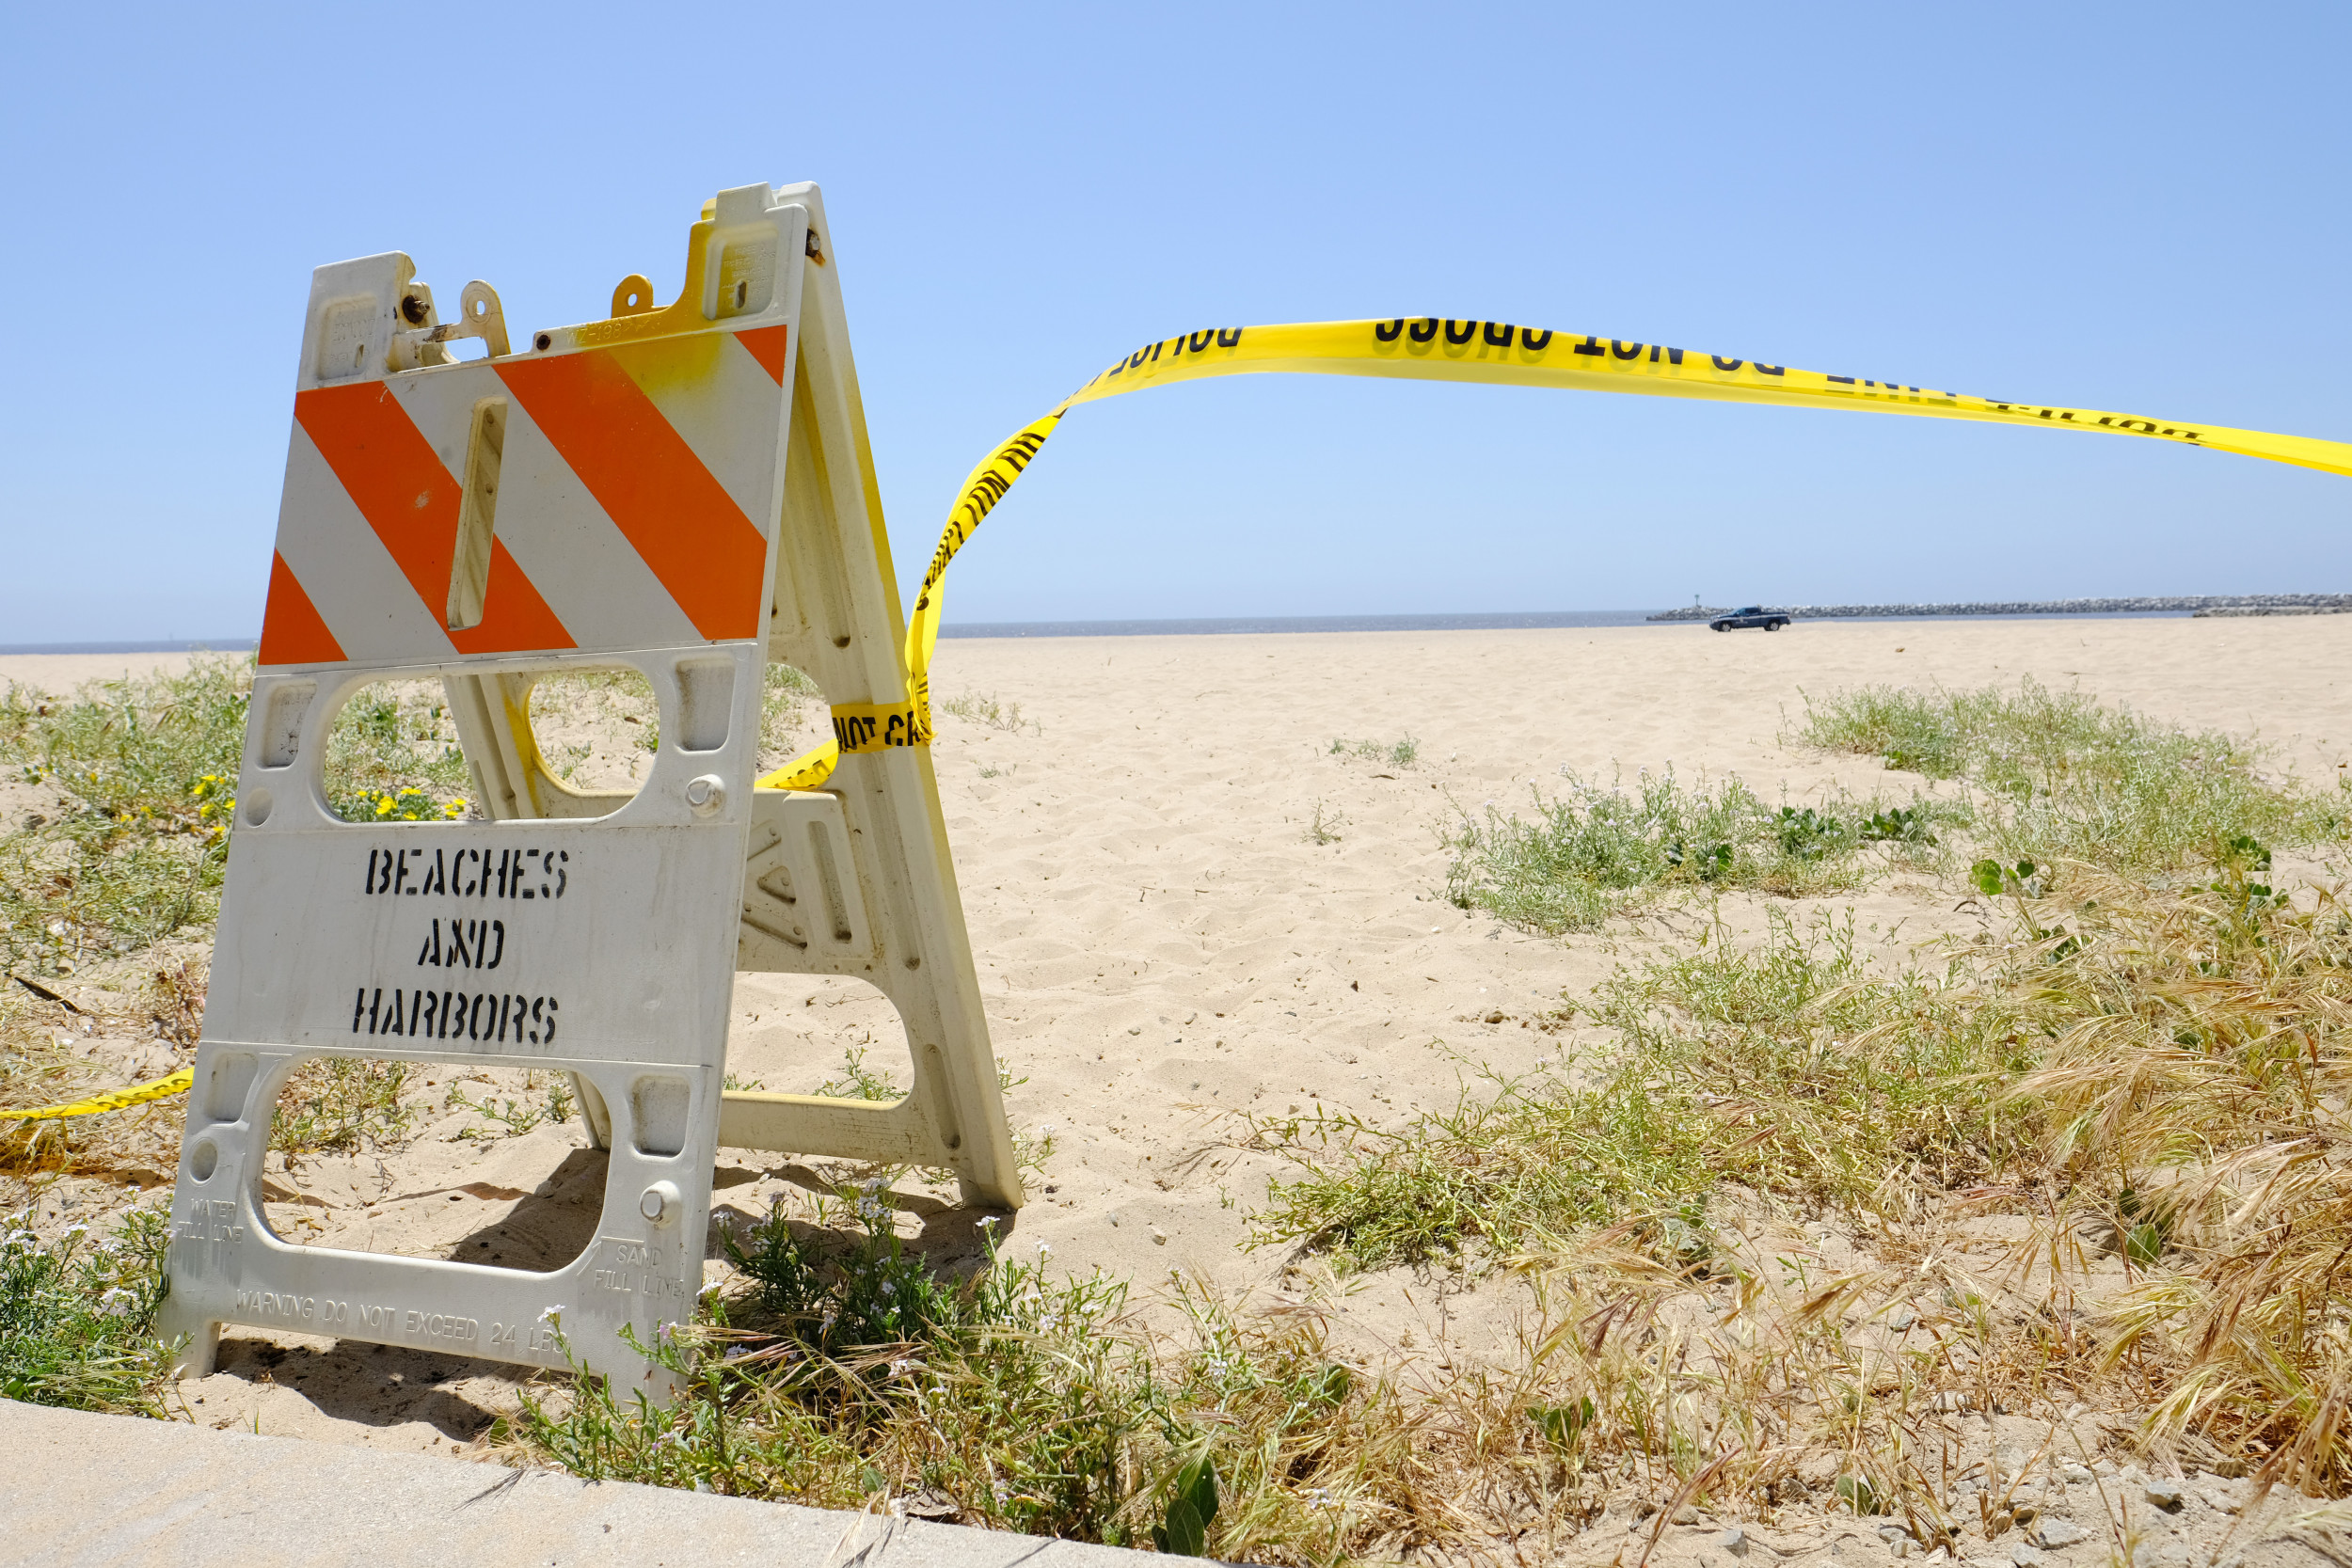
(1753, 615)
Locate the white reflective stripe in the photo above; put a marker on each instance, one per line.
(727, 413)
(440, 403)
(359, 589)
(586, 569)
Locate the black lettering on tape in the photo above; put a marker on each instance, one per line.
(1762, 369)
(1534, 341)
(1388, 332)
(1723, 364)
(1422, 330)
(1498, 335)
(1469, 330)
(1229, 337)
(1591, 345)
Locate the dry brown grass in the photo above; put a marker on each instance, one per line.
(2197, 1086)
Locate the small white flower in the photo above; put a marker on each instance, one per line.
(553, 1315)
(989, 1222)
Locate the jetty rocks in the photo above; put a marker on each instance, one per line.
(2233, 604)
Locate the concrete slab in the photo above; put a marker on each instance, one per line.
(77, 1489)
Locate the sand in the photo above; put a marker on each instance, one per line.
(1165, 946)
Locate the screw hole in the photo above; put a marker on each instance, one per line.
(202, 1161)
(480, 307)
(542, 341)
(842, 641)
(633, 302)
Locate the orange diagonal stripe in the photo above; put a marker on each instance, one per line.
(513, 617)
(690, 531)
(293, 630)
(767, 347)
(392, 476)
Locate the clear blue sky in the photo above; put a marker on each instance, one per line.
(2137, 207)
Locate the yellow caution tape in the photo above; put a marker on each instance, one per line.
(113, 1099)
(1431, 349)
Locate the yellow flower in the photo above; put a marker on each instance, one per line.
(384, 807)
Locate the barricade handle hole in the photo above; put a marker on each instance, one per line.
(203, 1159)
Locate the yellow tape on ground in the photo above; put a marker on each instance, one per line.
(1432, 348)
(113, 1099)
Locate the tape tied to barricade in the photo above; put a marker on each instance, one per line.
(1432, 348)
(113, 1099)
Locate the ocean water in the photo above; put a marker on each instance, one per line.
(1227, 625)
(201, 644)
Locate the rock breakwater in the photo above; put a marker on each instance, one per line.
(2209, 604)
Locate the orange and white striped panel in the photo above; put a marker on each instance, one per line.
(639, 486)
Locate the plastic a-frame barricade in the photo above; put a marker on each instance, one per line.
(686, 492)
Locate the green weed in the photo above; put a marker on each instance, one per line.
(392, 756)
(333, 1104)
(842, 1370)
(1590, 852)
(136, 848)
(1401, 752)
(2068, 779)
(76, 1315)
(986, 709)
(1795, 1068)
